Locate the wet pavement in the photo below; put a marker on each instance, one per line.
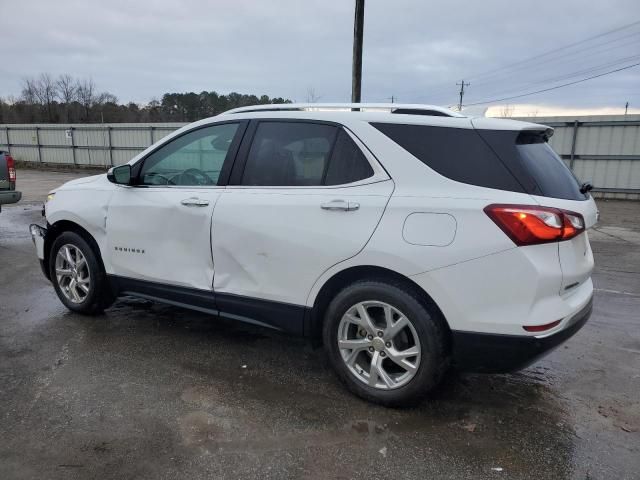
(151, 391)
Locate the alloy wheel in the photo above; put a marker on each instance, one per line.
(379, 345)
(72, 273)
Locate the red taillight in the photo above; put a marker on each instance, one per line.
(11, 166)
(531, 225)
(541, 328)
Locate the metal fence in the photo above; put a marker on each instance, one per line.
(102, 145)
(604, 150)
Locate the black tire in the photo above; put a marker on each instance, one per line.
(99, 295)
(427, 322)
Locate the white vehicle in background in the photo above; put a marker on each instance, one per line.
(404, 238)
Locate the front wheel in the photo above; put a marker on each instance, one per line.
(78, 276)
(385, 344)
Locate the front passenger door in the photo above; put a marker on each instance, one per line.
(160, 229)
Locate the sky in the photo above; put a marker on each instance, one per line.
(414, 50)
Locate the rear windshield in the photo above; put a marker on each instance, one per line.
(534, 162)
(503, 159)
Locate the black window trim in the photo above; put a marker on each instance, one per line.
(235, 179)
(227, 165)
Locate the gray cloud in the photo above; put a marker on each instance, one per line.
(414, 50)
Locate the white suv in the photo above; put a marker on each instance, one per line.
(405, 238)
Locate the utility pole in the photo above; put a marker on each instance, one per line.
(356, 72)
(392, 98)
(462, 85)
(626, 107)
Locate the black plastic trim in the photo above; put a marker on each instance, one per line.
(281, 316)
(493, 353)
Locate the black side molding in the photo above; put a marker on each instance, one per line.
(281, 316)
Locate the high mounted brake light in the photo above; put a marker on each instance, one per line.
(532, 225)
(11, 166)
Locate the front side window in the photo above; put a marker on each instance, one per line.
(303, 154)
(193, 159)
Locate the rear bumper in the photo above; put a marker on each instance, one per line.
(9, 196)
(38, 235)
(482, 352)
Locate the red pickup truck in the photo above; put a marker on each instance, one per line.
(8, 192)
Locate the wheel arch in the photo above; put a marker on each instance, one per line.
(56, 229)
(353, 274)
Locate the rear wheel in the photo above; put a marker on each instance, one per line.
(78, 276)
(384, 344)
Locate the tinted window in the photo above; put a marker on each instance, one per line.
(457, 153)
(535, 163)
(195, 158)
(348, 163)
(289, 154)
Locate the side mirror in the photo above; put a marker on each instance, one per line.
(586, 187)
(120, 175)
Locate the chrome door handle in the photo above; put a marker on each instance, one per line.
(340, 205)
(194, 202)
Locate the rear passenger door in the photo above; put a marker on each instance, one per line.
(303, 196)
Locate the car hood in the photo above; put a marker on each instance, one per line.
(84, 182)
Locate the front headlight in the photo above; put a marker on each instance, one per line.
(50, 197)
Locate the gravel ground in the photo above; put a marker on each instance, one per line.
(151, 391)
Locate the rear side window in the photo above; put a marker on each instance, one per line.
(289, 154)
(303, 154)
(503, 159)
(456, 153)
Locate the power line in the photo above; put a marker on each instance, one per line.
(565, 47)
(586, 71)
(591, 51)
(552, 88)
(569, 75)
(498, 75)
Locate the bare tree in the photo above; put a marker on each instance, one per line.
(29, 89)
(86, 95)
(312, 97)
(106, 97)
(507, 111)
(66, 88)
(40, 91)
(66, 91)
